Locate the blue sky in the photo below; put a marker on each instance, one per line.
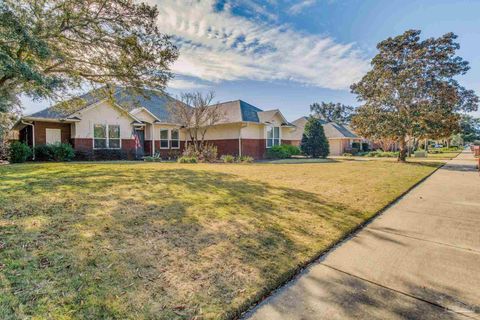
(288, 54)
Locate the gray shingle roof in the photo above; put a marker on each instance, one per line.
(336, 130)
(238, 111)
(156, 102)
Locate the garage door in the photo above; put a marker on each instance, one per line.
(335, 147)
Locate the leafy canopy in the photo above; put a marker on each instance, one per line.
(470, 128)
(331, 112)
(314, 142)
(411, 91)
(50, 46)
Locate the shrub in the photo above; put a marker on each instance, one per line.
(314, 142)
(207, 153)
(293, 150)
(43, 152)
(54, 152)
(185, 159)
(346, 154)
(227, 158)
(19, 152)
(278, 152)
(245, 159)
(63, 152)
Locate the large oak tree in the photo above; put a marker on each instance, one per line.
(411, 90)
(48, 47)
(331, 112)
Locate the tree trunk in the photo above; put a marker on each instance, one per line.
(426, 145)
(402, 154)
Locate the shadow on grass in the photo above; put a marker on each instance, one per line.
(117, 242)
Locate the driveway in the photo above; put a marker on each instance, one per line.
(420, 259)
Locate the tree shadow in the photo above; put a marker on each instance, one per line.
(327, 293)
(99, 242)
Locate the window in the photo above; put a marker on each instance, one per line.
(114, 137)
(273, 136)
(53, 136)
(175, 139)
(99, 136)
(106, 136)
(164, 139)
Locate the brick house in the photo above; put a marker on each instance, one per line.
(132, 127)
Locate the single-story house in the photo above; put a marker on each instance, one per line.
(340, 137)
(130, 127)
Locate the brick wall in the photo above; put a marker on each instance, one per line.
(169, 153)
(82, 144)
(41, 133)
(254, 148)
(226, 146)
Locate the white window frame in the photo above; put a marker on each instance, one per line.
(167, 139)
(57, 131)
(178, 139)
(279, 138)
(107, 137)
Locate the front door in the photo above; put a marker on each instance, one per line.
(140, 148)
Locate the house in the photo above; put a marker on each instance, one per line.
(340, 137)
(128, 127)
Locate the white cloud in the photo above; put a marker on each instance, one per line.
(182, 84)
(217, 46)
(300, 6)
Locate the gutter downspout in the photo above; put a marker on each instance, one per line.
(152, 131)
(240, 139)
(33, 136)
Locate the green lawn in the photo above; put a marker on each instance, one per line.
(444, 155)
(171, 241)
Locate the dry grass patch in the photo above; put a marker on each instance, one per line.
(171, 241)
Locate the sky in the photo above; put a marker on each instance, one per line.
(288, 54)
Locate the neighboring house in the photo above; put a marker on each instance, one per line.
(136, 126)
(340, 137)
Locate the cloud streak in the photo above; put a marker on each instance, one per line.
(300, 6)
(216, 45)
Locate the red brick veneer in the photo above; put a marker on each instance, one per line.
(82, 144)
(255, 148)
(41, 133)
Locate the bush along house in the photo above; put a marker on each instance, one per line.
(130, 127)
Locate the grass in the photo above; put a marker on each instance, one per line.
(444, 155)
(173, 241)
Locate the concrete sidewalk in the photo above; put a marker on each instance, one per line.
(420, 259)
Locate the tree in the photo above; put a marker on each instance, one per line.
(50, 46)
(410, 92)
(470, 128)
(331, 112)
(314, 142)
(196, 113)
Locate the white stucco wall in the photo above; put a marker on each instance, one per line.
(102, 113)
(253, 131)
(223, 131)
